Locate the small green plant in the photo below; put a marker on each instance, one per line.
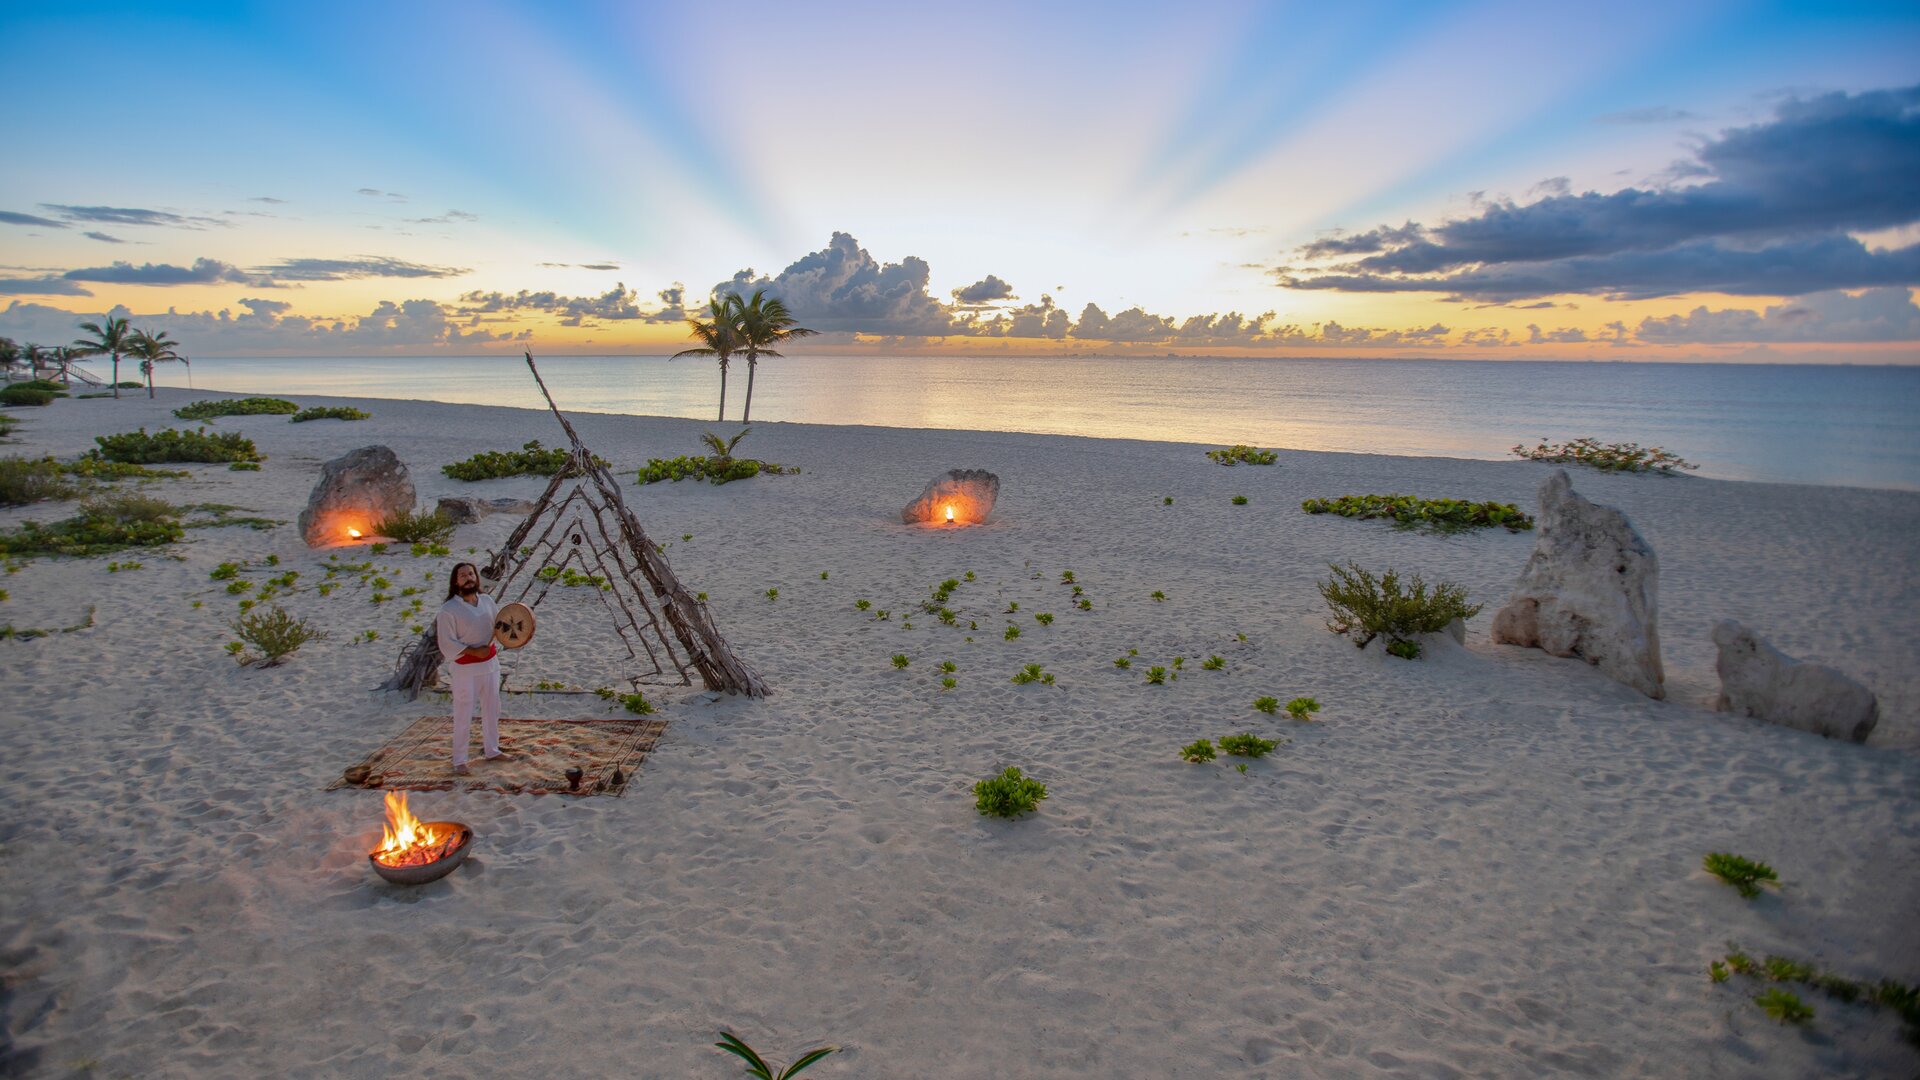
(1743, 874)
(1167, 501)
(636, 703)
(1405, 650)
(1241, 767)
(1012, 632)
(103, 526)
(140, 448)
(429, 527)
(948, 666)
(1247, 745)
(1436, 515)
(968, 575)
(1157, 595)
(949, 616)
(949, 683)
(1199, 752)
(1156, 676)
(252, 406)
(1365, 607)
(26, 480)
(1781, 969)
(1044, 619)
(531, 459)
(1608, 457)
(900, 660)
(1009, 794)
(1301, 707)
(1066, 577)
(1179, 662)
(244, 466)
(328, 412)
(773, 594)
(1213, 663)
(1266, 704)
(235, 648)
(1240, 453)
(758, 1068)
(823, 575)
(378, 547)
(883, 614)
(117, 567)
(1085, 604)
(1717, 971)
(1032, 673)
(226, 571)
(1239, 500)
(1784, 1006)
(720, 467)
(275, 633)
(1123, 663)
(604, 693)
(863, 604)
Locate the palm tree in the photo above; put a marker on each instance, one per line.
(34, 355)
(109, 336)
(153, 349)
(720, 338)
(764, 322)
(64, 356)
(9, 355)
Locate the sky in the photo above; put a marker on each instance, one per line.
(1710, 180)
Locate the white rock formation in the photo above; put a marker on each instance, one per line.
(959, 497)
(356, 490)
(1760, 681)
(1589, 590)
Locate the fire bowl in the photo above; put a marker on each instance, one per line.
(435, 870)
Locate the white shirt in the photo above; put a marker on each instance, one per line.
(461, 625)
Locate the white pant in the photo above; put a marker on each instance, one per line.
(475, 684)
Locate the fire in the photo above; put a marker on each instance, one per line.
(353, 532)
(949, 512)
(407, 841)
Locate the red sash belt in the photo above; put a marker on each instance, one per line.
(492, 650)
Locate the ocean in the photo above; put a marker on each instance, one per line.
(1808, 424)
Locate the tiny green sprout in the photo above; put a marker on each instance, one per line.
(473, 551)
(1241, 637)
(823, 575)
(1179, 662)
(1239, 500)
(968, 575)
(1301, 708)
(225, 571)
(1012, 632)
(1717, 971)
(1247, 745)
(906, 625)
(1157, 676)
(636, 703)
(949, 683)
(235, 588)
(1032, 673)
(1199, 752)
(1086, 605)
(324, 589)
(1405, 650)
(273, 560)
(1213, 663)
(1266, 705)
(1168, 501)
(948, 666)
(1044, 619)
(1123, 663)
(1077, 590)
(378, 598)
(900, 660)
(1012, 606)
(1784, 1006)
(605, 692)
(949, 585)
(702, 597)
(883, 614)
(1743, 874)
(948, 616)
(773, 594)
(378, 548)
(246, 605)
(1066, 577)
(234, 647)
(684, 537)
(3, 596)
(863, 604)
(1133, 652)
(1742, 963)
(1242, 766)
(1158, 595)
(971, 625)
(382, 583)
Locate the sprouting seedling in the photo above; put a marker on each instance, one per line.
(1743, 874)
(1086, 605)
(1044, 619)
(948, 666)
(948, 616)
(773, 594)
(968, 575)
(1268, 705)
(900, 660)
(684, 537)
(1157, 676)
(756, 1066)
(1077, 590)
(1213, 663)
(1032, 673)
(1239, 500)
(1066, 577)
(1168, 501)
(883, 614)
(1198, 752)
(1123, 663)
(1301, 708)
(949, 683)
(1157, 595)
(823, 575)
(1179, 662)
(1012, 632)
(863, 604)
(1012, 606)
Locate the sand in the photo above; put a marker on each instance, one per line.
(1486, 862)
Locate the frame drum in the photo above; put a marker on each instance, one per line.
(513, 625)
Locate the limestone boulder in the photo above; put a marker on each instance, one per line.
(356, 490)
(462, 510)
(1589, 590)
(1760, 681)
(960, 497)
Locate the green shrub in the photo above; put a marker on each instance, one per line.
(95, 468)
(1783, 1005)
(1405, 650)
(1365, 607)
(1609, 457)
(328, 412)
(21, 394)
(408, 527)
(275, 633)
(6, 427)
(1437, 515)
(1009, 794)
(1032, 673)
(1239, 500)
(27, 480)
(900, 660)
(1199, 752)
(129, 384)
(531, 459)
(1266, 704)
(1299, 708)
(1123, 663)
(719, 467)
(1240, 453)
(1743, 874)
(1247, 745)
(1213, 663)
(636, 703)
(140, 448)
(43, 384)
(252, 406)
(103, 526)
(1157, 676)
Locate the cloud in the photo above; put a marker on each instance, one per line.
(366, 266)
(266, 329)
(376, 193)
(267, 199)
(616, 304)
(8, 217)
(125, 215)
(1133, 324)
(41, 286)
(1771, 216)
(202, 272)
(673, 305)
(447, 218)
(103, 238)
(1887, 314)
(986, 290)
(1038, 320)
(266, 307)
(842, 287)
(582, 266)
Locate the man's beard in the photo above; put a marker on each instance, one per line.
(468, 592)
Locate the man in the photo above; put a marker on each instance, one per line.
(465, 631)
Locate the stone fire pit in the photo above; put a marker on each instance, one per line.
(959, 497)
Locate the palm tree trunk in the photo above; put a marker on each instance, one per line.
(116, 376)
(723, 391)
(150, 366)
(753, 362)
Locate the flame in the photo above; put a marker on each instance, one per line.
(353, 532)
(949, 511)
(407, 841)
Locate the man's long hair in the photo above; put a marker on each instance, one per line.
(453, 578)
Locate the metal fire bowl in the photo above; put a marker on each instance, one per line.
(433, 871)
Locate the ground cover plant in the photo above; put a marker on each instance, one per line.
(1032, 673)
(251, 406)
(6, 427)
(1266, 704)
(26, 480)
(103, 526)
(275, 633)
(140, 448)
(1242, 454)
(408, 527)
(758, 1068)
(1365, 607)
(328, 412)
(719, 467)
(1437, 515)
(1301, 708)
(1009, 794)
(1199, 753)
(22, 394)
(1608, 457)
(1743, 874)
(1247, 745)
(530, 460)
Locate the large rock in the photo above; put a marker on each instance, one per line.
(1588, 590)
(1760, 681)
(356, 491)
(463, 510)
(969, 493)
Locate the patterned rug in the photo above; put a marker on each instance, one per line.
(607, 753)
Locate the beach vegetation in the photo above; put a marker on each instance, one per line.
(103, 526)
(1239, 500)
(1784, 1006)
(1044, 619)
(1199, 752)
(1266, 704)
(1242, 454)
(531, 459)
(1066, 577)
(949, 683)
(23, 395)
(1213, 663)
(244, 466)
(1745, 875)
(1179, 662)
(28, 480)
(111, 337)
(1247, 745)
(140, 448)
(328, 412)
(823, 575)
(760, 323)
(421, 551)
(862, 605)
(1717, 971)
(1366, 606)
(1608, 457)
(1156, 676)
(900, 660)
(1434, 515)
(1302, 708)
(1122, 663)
(1012, 606)
(1086, 605)
(409, 527)
(9, 632)
(636, 703)
(758, 1068)
(1032, 673)
(6, 427)
(719, 467)
(883, 614)
(1167, 501)
(1009, 794)
(1011, 633)
(1157, 595)
(948, 666)
(276, 633)
(968, 575)
(249, 406)
(773, 594)
(152, 350)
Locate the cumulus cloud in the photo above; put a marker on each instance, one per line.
(126, 215)
(1131, 325)
(673, 305)
(266, 307)
(9, 217)
(986, 290)
(1039, 320)
(842, 287)
(266, 328)
(1875, 315)
(616, 304)
(1770, 215)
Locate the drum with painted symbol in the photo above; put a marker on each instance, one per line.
(513, 625)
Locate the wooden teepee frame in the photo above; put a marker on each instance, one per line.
(589, 525)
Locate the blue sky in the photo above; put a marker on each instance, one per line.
(565, 176)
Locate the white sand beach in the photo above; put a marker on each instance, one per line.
(1486, 862)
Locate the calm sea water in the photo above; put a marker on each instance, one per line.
(1812, 424)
